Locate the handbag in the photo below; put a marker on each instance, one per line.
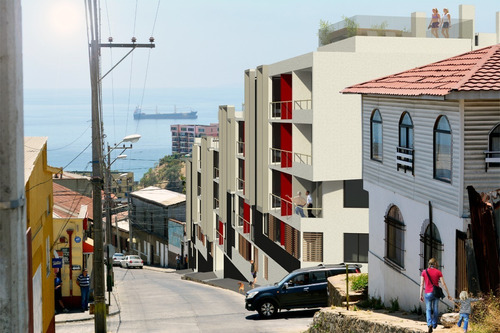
(437, 291)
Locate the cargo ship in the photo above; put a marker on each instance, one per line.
(138, 114)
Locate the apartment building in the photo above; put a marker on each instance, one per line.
(298, 133)
(429, 135)
(183, 136)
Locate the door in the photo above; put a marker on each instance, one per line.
(318, 288)
(298, 292)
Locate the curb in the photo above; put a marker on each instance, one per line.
(84, 319)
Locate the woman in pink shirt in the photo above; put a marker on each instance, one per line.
(431, 303)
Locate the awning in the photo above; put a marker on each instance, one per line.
(88, 246)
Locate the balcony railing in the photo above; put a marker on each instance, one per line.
(285, 108)
(302, 158)
(280, 156)
(216, 173)
(216, 203)
(287, 207)
(240, 183)
(391, 26)
(404, 159)
(199, 190)
(240, 220)
(240, 147)
(302, 104)
(492, 158)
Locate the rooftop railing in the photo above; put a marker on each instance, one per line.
(391, 26)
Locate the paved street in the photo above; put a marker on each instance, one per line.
(152, 301)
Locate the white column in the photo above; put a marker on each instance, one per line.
(418, 24)
(13, 279)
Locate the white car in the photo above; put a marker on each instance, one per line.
(117, 258)
(132, 261)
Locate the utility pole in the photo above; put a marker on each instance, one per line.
(93, 17)
(14, 306)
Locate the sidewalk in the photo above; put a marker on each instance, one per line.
(211, 279)
(77, 315)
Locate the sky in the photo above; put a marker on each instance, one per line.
(199, 43)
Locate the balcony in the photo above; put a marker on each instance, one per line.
(286, 157)
(285, 208)
(216, 173)
(199, 190)
(283, 109)
(492, 159)
(389, 26)
(216, 203)
(240, 148)
(240, 184)
(404, 159)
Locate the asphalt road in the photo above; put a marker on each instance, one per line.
(151, 301)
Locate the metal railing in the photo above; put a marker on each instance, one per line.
(277, 108)
(216, 173)
(240, 147)
(240, 183)
(287, 207)
(302, 158)
(216, 203)
(199, 190)
(302, 104)
(240, 220)
(277, 155)
(491, 157)
(404, 159)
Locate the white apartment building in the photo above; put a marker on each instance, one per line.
(298, 133)
(428, 134)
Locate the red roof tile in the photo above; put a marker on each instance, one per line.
(67, 203)
(478, 70)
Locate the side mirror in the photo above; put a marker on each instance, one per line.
(285, 285)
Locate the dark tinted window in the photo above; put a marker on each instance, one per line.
(318, 277)
(354, 195)
(299, 280)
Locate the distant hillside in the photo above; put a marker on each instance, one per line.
(169, 174)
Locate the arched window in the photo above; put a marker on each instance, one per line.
(406, 131)
(442, 149)
(431, 245)
(404, 152)
(394, 236)
(376, 136)
(494, 145)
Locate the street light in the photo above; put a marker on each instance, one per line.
(133, 138)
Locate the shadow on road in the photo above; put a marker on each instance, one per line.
(309, 313)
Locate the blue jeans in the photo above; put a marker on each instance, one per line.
(85, 297)
(299, 210)
(465, 318)
(431, 309)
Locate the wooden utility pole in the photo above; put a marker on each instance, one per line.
(93, 16)
(14, 306)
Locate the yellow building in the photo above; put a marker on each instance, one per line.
(38, 186)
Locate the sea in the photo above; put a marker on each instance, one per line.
(64, 116)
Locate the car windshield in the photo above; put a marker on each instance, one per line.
(134, 257)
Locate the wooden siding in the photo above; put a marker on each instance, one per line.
(479, 119)
(421, 187)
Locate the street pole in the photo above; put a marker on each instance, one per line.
(97, 180)
(93, 17)
(14, 308)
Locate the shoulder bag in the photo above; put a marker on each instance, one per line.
(437, 291)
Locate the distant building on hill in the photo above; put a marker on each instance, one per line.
(183, 136)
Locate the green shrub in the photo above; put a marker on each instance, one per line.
(485, 314)
(394, 305)
(359, 282)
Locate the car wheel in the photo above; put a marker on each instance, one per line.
(267, 309)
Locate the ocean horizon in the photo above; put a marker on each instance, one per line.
(64, 116)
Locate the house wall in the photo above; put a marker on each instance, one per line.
(422, 187)
(385, 279)
(480, 116)
(39, 202)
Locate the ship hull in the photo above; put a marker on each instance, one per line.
(174, 115)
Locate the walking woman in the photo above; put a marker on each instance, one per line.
(431, 277)
(445, 23)
(435, 20)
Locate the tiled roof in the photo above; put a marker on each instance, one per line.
(477, 70)
(68, 203)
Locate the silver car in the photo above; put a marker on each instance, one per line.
(117, 258)
(132, 261)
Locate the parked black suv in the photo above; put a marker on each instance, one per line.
(302, 288)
